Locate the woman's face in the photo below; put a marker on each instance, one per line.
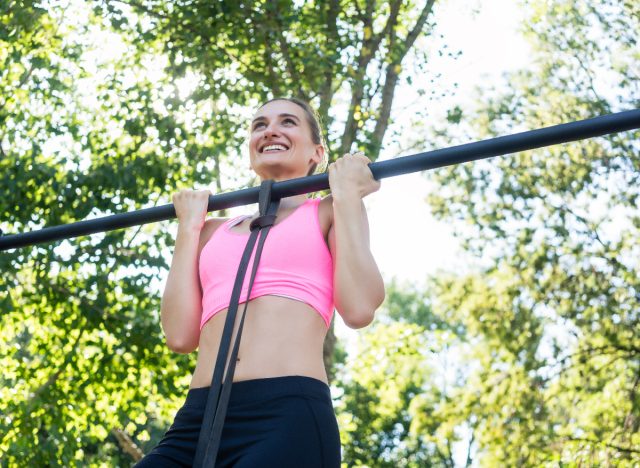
(281, 146)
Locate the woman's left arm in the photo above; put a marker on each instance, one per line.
(357, 283)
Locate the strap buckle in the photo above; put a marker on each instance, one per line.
(264, 200)
(262, 222)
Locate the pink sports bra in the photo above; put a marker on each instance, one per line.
(295, 263)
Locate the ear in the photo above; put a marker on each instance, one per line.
(318, 154)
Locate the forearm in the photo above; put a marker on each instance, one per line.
(181, 306)
(358, 284)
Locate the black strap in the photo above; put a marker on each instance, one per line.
(219, 393)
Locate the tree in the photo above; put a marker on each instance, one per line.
(329, 52)
(553, 312)
(88, 130)
(80, 339)
(394, 410)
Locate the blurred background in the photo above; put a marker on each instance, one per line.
(509, 334)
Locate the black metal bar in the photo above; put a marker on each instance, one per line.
(563, 133)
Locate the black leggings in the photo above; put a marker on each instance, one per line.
(272, 422)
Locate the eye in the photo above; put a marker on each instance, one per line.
(289, 121)
(257, 125)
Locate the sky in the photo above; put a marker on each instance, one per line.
(411, 244)
(406, 241)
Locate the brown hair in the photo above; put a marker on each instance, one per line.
(314, 123)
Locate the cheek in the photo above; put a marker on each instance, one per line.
(300, 137)
(253, 144)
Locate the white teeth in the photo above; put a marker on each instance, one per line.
(274, 147)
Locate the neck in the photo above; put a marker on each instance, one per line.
(292, 202)
(282, 173)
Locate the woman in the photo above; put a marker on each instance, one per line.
(316, 256)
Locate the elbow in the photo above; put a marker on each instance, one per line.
(182, 334)
(358, 323)
(362, 315)
(359, 319)
(181, 347)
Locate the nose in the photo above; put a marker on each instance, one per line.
(271, 130)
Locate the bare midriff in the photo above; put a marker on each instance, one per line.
(280, 337)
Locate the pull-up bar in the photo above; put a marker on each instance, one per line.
(563, 133)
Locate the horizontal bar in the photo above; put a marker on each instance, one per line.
(563, 133)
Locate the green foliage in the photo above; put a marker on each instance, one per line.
(80, 338)
(553, 314)
(411, 304)
(532, 361)
(112, 106)
(247, 52)
(388, 399)
(395, 408)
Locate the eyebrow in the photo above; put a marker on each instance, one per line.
(261, 118)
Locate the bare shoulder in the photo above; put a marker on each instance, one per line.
(210, 226)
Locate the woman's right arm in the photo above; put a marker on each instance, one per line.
(181, 305)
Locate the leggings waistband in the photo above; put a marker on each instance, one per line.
(266, 388)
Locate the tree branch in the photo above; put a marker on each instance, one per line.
(600, 442)
(370, 46)
(593, 233)
(417, 29)
(72, 351)
(469, 459)
(326, 88)
(137, 5)
(391, 23)
(127, 444)
(359, 13)
(286, 52)
(290, 66)
(21, 83)
(275, 82)
(632, 419)
(391, 78)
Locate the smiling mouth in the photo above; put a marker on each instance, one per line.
(273, 149)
